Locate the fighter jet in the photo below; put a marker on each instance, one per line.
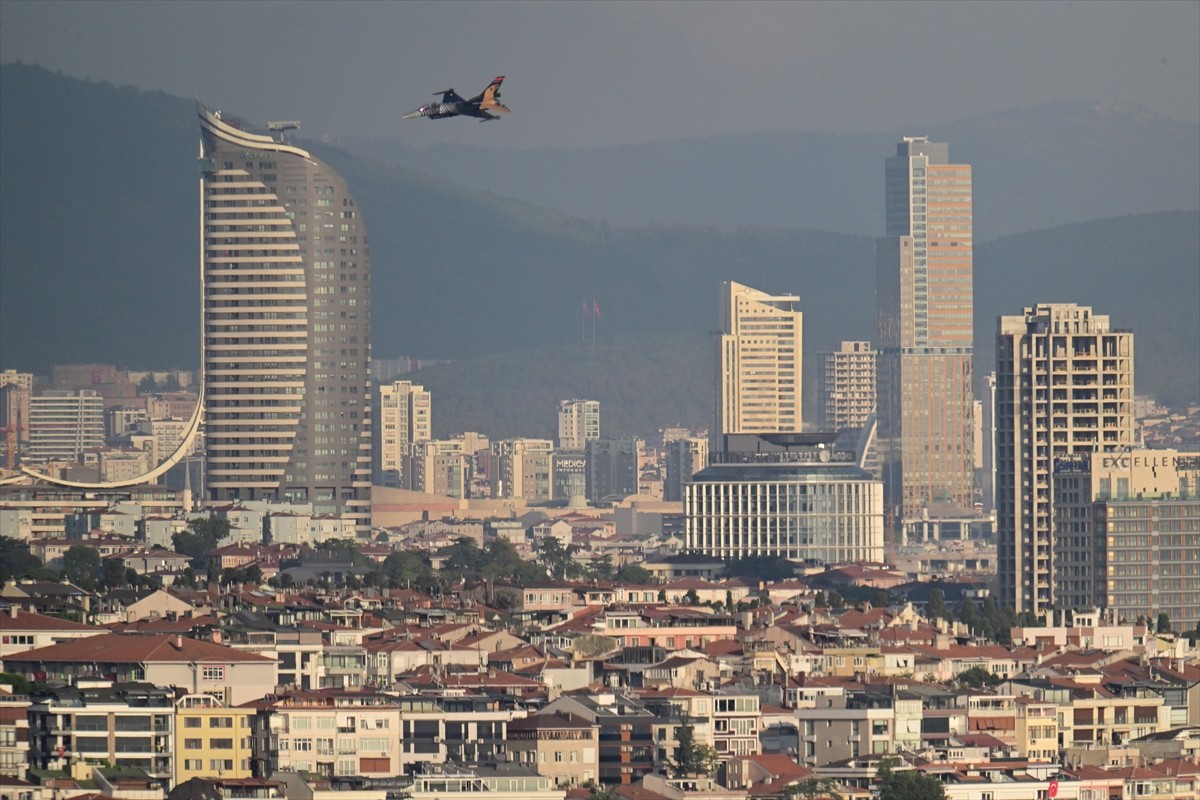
(453, 106)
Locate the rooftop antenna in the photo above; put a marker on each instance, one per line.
(283, 126)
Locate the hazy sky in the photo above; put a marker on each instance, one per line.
(585, 74)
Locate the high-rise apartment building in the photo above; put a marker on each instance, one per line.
(441, 466)
(759, 360)
(1064, 386)
(403, 417)
(64, 423)
(925, 314)
(612, 468)
(578, 423)
(845, 386)
(285, 270)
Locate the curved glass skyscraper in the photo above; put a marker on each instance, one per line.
(286, 325)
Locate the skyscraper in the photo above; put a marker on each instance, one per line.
(759, 359)
(285, 271)
(403, 417)
(924, 313)
(1064, 386)
(845, 386)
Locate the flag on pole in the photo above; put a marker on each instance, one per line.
(586, 308)
(595, 308)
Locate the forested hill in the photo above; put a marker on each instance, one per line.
(99, 248)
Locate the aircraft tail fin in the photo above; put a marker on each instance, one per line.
(488, 98)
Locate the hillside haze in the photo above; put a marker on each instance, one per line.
(99, 250)
(1034, 168)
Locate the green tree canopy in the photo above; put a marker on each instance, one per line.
(409, 568)
(635, 574)
(762, 568)
(691, 757)
(81, 565)
(907, 784)
(202, 534)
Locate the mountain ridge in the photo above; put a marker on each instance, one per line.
(463, 273)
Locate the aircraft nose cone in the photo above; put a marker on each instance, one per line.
(412, 114)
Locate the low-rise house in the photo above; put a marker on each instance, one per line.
(163, 660)
(558, 746)
(26, 630)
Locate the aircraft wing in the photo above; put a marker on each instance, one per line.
(450, 96)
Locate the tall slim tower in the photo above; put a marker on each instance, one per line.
(759, 360)
(1064, 385)
(285, 271)
(925, 315)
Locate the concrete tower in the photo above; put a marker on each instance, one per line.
(925, 316)
(286, 325)
(759, 360)
(1064, 386)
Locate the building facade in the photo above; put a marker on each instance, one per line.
(612, 468)
(403, 417)
(286, 316)
(1064, 386)
(845, 386)
(785, 496)
(578, 423)
(924, 300)
(1127, 534)
(522, 469)
(64, 423)
(758, 362)
(686, 456)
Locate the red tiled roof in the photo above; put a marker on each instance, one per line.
(29, 621)
(119, 648)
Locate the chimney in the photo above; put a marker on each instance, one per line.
(12, 611)
(178, 642)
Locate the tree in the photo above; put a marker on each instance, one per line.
(15, 559)
(147, 385)
(691, 757)
(81, 565)
(558, 560)
(408, 568)
(635, 574)
(202, 534)
(1164, 623)
(975, 678)
(815, 789)
(908, 784)
(762, 568)
(936, 607)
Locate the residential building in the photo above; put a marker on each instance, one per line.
(924, 303)
(212, 740)
(1064, 386)
(285, 361)
(65, 423)
(442, 466)
(759, 357)
(626, 740)
(793, 496)
(24, 630)
(560, 747)
(612, 468)
(14, 733)
(1127, 534)
(164, 660)
(125, 724)
(403, 417)
(686, 456)
(522, 469)
(578, 423)
(845, 386)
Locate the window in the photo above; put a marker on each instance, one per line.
(192, 744)
(222, 744)
(302, 745)
(191, 722)
(220, 722)
(212, 673)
